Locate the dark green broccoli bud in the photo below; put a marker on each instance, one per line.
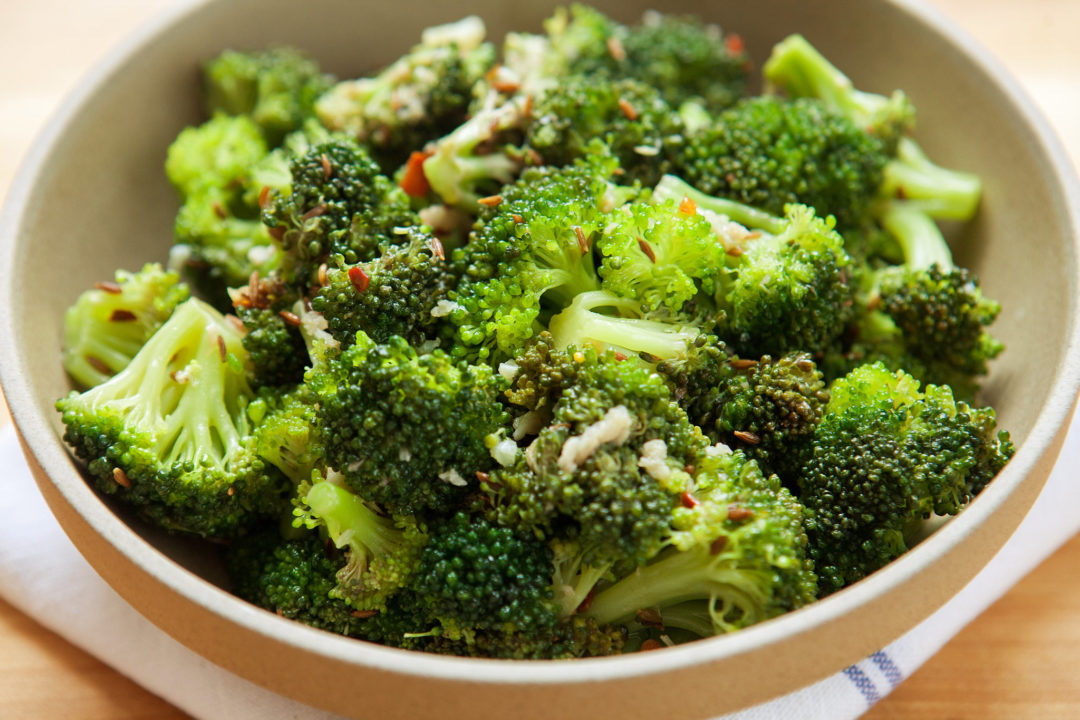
(273, 341)
(108, 325)
(796, 67)
(408, 431)
(884, 457)
(339, 206)
(629, 116)
(611, 463)
(573, 637)
(768, 153)
(540, 373)
(661, 255)
(531, 250)
(737, 549)
(170, 434)
(293, 578)
(420, 97)
(788, 286)
(276, 88)
(474, 575)
(401, 292)
(381, 552)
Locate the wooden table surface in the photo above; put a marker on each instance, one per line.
(1018, 660)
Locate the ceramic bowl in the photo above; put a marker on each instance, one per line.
(92, 196)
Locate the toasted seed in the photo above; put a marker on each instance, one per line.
(322, 274)
(437, 248)
(314, 212)
(650, 616)
(738, 513)
(121, 477)
(121, 315)
(364, 614)
(615, 49)
(582, 241)
(718, 545)
(289, 318)
(517, 218)
(222, 350)
(747, 437)
(651, 644)
(109, 287)
(264, 197)
(647, 249)
(743, 363)
(733, 251)
(327, 171)
(491, 200)
(219, 210)
(628, 110)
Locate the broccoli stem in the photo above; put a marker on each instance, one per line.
(578, 325)
(920, 239)
(694, 574)
(674, 188)
(350, 522)
(940, 192)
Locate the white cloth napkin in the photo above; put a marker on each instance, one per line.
(40, 570)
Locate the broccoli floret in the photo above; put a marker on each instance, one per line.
(629, 116)
(611, 463)
(883, 458)
(170, 434)
(340, 209)
(686, 59)
(533, 249)
(737, 549)
(661, 254)
(796, 67)
(408, 431)
(801, 71)
(420, 97)
(293, 578)
(767, 153)
(287, 433)
(767, 407)
(219, 153)
(110, 323)
(926, 316)
(788, 286)
(401, 292)
(381, 552)
(272, 338)
(276, 88)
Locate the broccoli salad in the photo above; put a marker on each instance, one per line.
(557, 348)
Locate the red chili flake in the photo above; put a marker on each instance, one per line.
(689, 501)
(289, 318)
(517, 218)
(491, 200)
(121, 315)
(327, 170)
(314, 212)
(222, 351)
(718, 545)
(359, 278)
(743, 363)
(628, 110)
(688, 206)
(413, 181)
(437, 248)
(738, 513)
(109, 287)
(121, 478)
(586, 603)
(582, 241)
(651, 644)
(220, 211)
(747, 437)
(650, 616)
(364, 614)
(734, 45)
(264, 197)
(647, 249)
(615, 49)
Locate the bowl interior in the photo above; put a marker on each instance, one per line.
(94, 198)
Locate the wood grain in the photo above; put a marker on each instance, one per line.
(1017, 661)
